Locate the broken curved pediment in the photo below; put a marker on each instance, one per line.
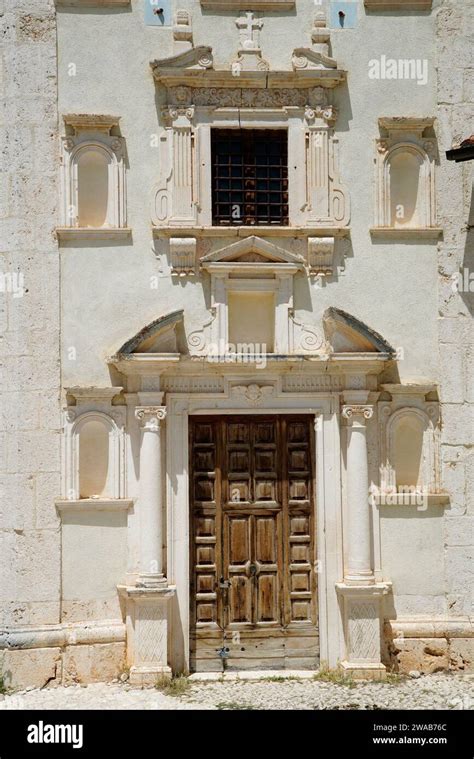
(163, 335)
(347, 334)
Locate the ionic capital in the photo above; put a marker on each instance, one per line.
(150, 417)
(359, 411)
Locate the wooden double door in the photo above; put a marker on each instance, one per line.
(252, 537)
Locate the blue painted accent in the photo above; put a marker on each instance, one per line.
(349, 21)
(158, 19)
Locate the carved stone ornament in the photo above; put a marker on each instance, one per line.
(253, 393)
(349, 412)
(150, 417)
(249, 54)
(327, 113)
(183, 256)
(182, 30)
(320, 256)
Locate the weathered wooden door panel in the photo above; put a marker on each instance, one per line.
(253, 584)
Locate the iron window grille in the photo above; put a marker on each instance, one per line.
(249, 177)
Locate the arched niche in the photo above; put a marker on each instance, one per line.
(405, 167)
(407, 451)
(96, 456)
(93, 190)
(411, 451)
(93, 164)
(92, 175)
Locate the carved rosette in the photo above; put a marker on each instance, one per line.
(150, 417)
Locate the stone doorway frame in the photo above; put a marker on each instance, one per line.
(327, 467)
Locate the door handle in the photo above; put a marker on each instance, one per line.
(224, 584)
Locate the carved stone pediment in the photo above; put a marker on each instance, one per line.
(199, 58)
(305, 57)
(163, 335)
(347, 334)
(254, 250)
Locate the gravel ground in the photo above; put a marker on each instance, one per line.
(440, 691)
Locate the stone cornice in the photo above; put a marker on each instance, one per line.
(81, 505)
(398, 5)
(156, 363)
(304, 232)
(257, 5)
(201, 77)
(90, 121)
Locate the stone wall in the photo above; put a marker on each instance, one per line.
(29, 303)
(449, 644)
(455, 55)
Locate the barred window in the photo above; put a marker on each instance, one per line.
(250, 177)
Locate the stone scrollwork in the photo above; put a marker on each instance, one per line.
(306, 338)
(199, 338)
(351, 411)
(150, 417)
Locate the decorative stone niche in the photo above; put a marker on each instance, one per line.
(93, 448)
(249, 94)
(405, 177)
(93, 177)
(409, 443)
(252, 302)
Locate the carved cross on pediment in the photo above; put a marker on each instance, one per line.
(249, 30)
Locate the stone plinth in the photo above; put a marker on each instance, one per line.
(147, 611)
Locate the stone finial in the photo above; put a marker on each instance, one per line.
(182, 30)
(320, 34)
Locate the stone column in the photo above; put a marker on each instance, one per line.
(359, 567)
(360, 596)
(150, 501)
(147, 602)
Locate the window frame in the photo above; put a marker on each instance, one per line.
(250, 170)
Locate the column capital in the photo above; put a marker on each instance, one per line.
(150, 417)
(357, 410)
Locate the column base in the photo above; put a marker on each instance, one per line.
(147, 613)
(146, 677)
(377, 671)
(361, 607)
